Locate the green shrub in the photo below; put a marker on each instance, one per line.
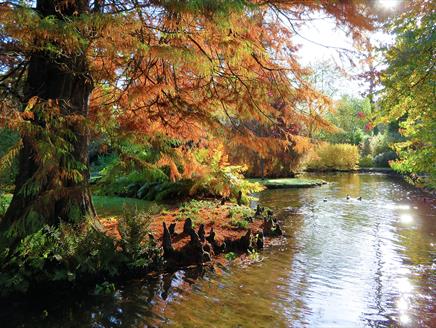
(365, 146)
(130, 163)
(350, 117)
(379, 144)
(221, 179)
(135, 171)
(70, 254)
(114, 182)
(383, 159)
(56, 254)
(333, 157)
(384, 141)
(173, 190)
(366, 161)
(140, 251)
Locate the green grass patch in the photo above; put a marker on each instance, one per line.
(240, 212)
(289, 183)
(191, 209)
(104, 205)
(239, 223)
(114, 206)
(240, 216)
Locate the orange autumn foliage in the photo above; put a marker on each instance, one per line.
(190, 70)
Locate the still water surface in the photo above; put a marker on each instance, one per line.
(344, 263)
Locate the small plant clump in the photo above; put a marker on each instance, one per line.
(239, 223)
(105, 288)
(240, 216)
(230, 256)
(140, 251)
(254, 256)
(243, 212)
(69, 254)
(192, 210)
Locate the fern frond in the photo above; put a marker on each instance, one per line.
(7, 159)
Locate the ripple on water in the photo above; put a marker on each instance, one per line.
(345, 263)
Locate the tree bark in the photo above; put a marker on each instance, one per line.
(64, 81)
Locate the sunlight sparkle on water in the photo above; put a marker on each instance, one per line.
(389, 4)
(397, 207)
(402, 304)
(406, 218)
(405, 288)
(405, 319)
(404, 285)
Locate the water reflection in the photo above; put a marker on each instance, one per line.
(406, 218)
(344, 263)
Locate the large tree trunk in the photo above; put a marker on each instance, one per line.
(63, 83)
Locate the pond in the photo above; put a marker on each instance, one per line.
(344, 263)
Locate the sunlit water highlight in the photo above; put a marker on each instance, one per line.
(345, 263)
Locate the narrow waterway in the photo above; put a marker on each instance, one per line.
(344, 263)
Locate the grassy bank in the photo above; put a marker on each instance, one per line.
(115, 206)
(105, 205)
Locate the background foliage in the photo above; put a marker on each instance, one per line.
(409, 89)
